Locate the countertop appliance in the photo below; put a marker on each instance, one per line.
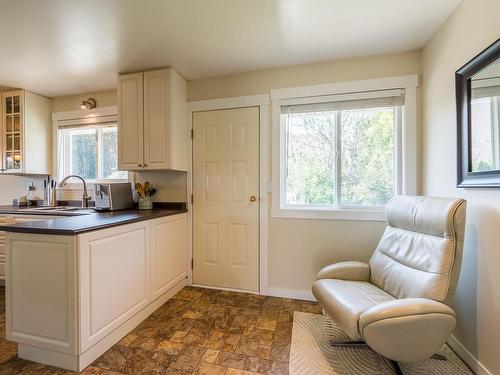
(115, 196)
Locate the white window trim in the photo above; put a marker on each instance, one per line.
(81, 117)
(406, 180)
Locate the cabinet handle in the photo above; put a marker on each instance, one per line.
(140, 165)
(145, 165)
(252, 198)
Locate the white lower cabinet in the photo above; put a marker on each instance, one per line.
(114, 278)
(69, 299)
(168, 253)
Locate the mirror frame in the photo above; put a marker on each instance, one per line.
(466, 178)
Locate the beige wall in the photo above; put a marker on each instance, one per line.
(334, 71)
(72, 103)
(470, 29)
(299, 248)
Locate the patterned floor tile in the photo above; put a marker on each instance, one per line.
(232, 360)
(259, 365)
(210, 356)
(188, 358)
(170, 347)
(209, 369)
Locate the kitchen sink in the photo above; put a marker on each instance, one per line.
(70, 210)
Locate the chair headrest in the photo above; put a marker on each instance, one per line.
(429, 215)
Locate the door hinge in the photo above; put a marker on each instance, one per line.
(192, 133)
(192, 199)
(192, 263)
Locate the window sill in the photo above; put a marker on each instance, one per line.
(78, 185)
(338, 214)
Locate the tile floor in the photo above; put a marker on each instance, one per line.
(198, 331)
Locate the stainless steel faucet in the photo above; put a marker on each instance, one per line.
(85, 197)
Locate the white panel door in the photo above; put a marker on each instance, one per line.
(226, 208)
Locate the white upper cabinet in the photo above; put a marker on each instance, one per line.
(131, 121)
(25, 133)
(152, 121)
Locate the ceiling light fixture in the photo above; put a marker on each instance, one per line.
(90, 103)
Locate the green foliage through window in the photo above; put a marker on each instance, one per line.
(365, 149)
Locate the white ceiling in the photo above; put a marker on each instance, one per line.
(62, 47)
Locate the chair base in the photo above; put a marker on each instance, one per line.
(360, 343)
(348, 343)
(396, 367)
(439, 357)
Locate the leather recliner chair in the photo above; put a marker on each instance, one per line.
(396, 303)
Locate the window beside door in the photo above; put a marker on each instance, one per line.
(339, 156)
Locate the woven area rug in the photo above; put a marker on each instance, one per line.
(311, 353)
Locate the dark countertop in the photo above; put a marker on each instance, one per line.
(74, 225)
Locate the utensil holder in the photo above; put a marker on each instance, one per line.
(145, 203)
(49, 197)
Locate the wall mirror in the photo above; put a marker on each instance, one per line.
(478, 120)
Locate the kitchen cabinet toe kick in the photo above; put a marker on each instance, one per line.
(71, 298)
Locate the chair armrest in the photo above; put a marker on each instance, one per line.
(356, 271)
(407, 330)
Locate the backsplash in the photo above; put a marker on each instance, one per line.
(15, 186)
(171, 185)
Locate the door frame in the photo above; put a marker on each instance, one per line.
(263, 102)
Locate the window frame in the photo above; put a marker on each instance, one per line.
(65, 155)
(91, 117)
(404, 142)
(397, 127)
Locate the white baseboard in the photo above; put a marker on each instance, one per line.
(289, 293)
(272, 292)
(467, 357)
(226, 289)
(47, 357)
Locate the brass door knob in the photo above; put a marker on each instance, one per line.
(252, 198)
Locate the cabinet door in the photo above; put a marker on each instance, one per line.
(114, 278)
(130, 122)
(12, 135)
(3, 220)
(157, 131)
(168, 253)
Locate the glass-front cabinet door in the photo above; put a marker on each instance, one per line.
(12, 134)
